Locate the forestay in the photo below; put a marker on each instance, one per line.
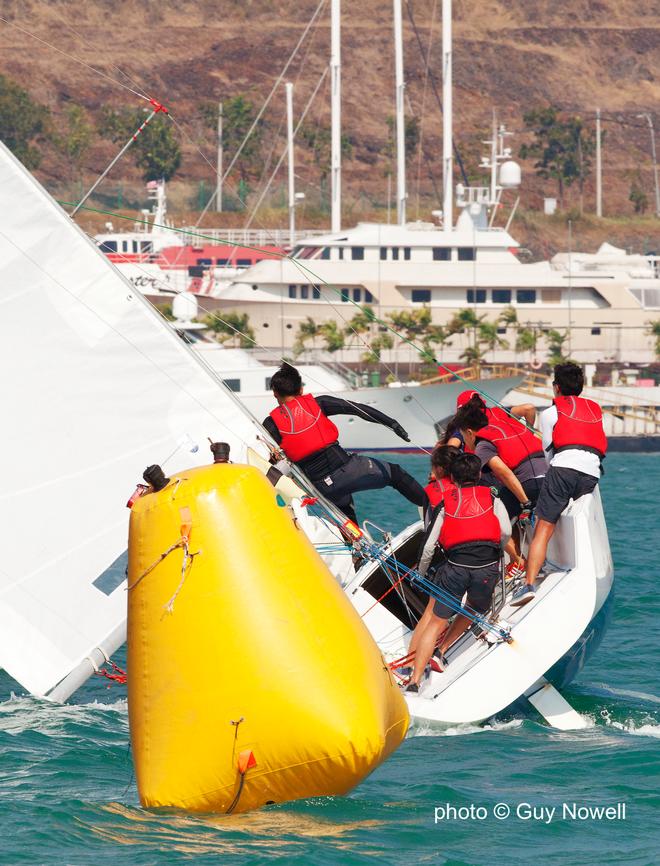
(96, 387)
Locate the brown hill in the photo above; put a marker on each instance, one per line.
(507, 56)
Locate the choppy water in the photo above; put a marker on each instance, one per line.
(67, 794)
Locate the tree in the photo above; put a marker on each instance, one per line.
(637, 196)
(555, 341)
(307, 330)
(155, 150)
(233, 326)
(472, 355)
(653, 330)
(490, 338)
(77, 137)
(527, 340)
(562, 147)
(411, 136)
(333, 337)
(466, 320)
(436, 335)
(22, 122)
(319, 141)
(414, 323)
(377, 347)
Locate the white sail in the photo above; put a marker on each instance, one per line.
(95, 387)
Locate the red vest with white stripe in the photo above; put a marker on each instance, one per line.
(303, 427)
(469, 518)
(436, 490)
(579, 425)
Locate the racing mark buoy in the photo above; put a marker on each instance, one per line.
(252, 679)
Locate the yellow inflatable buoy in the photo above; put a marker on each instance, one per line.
(252, 679)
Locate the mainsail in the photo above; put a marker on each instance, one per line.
(95, 388)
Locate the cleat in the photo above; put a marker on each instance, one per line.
(524, 595)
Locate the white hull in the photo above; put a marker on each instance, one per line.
(484, 679)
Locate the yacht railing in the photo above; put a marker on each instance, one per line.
(248, 237)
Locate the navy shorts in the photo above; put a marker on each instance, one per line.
(513, 507)
(560, 486)
(456, 580)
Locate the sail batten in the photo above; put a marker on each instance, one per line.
(96, 386)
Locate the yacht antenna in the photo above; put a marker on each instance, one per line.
(292, 183)
(335, 89)
(447, 111)
(400, 117)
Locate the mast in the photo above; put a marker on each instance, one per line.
(400, 118)
(292, 183)
(447, 109)
(218, 186)
(599, 169)
(335, 88)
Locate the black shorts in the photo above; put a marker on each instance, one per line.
(560, 486)
(456, 580)
(532, 488)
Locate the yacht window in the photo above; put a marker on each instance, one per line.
(268, 378)
(266, 325)
(295, 252)
(316, 293)
(383, 254)
(243, 263)
(551, 296)
(222, 261)
(368, 297)
(146, 246)
(136, 246)
(406, 253)
(357, 295)
(501, 296)
(357, 253)
(124, 246)
(466, 254)
(648, 298)
(345, 295)
(309, 252)
(595, 332)
(304, 293)
(340, 250)
(501, 330)
(293, 291)
(441, 254)
(289, 326)
(233, 384)
(526, 296)
(476, 296)
(325, 253)
(204, 261)
(108, 247)
(421, 296)
(395, 254)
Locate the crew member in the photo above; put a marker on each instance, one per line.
(472, 528)
(302, 427)
(572, 431)
(453, 436)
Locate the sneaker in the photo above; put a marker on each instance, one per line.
(411, 688)
(515, 570)
(439, 662)
(524, 595)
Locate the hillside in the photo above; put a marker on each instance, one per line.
(507, 56)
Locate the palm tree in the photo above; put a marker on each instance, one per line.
(360, 323)
(526, 340)
(466, 320)
(438, 335)
(488, 335)
(555, 340)
(509, 318)
(333, 337)
(472, 355)
(376, 347)
(653, 330)
(307, 330)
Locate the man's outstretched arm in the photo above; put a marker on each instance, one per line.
(338, 406)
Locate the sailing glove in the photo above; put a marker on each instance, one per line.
(525, 516)
(400, 432)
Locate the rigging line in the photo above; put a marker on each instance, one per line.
(435, 91)
(424, 353)
(261, 111)
(423, 110)
(75, 59)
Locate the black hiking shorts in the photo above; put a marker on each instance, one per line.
(456, 580)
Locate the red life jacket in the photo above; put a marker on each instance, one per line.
(303, 427)
(437, 490)
(469, 518)
(579, 425)
(513, 441)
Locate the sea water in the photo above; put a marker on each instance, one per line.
(512, 792)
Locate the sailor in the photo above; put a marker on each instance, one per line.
(302, 427)
(472, 528)
(441, 484)
(572, 431)
(453, 435)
